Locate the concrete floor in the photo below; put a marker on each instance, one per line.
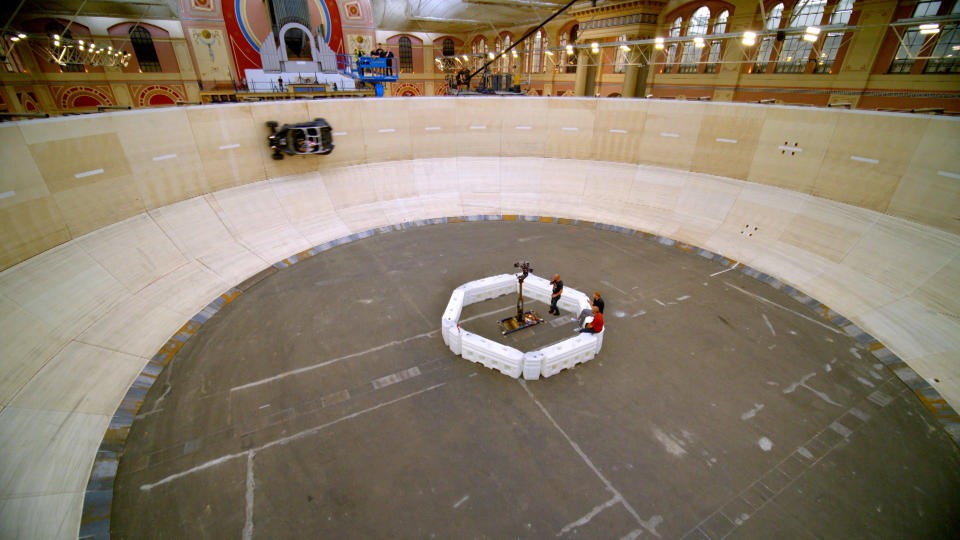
(323, 403)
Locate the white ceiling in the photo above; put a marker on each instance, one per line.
(460, 15)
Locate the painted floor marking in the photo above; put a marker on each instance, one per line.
(305, 369)
(163, 157)
(7, 194)
(229, 146)
(88, 173)
(432, 128)
(671, 135)
(461, 501)
(772, 303)
(576, 447)
(285, 440)
(865, 159)
(727, 270)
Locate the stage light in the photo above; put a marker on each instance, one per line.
(929, 28)
(594, 47)
(698, 42)
(658, 43)
(749, 38)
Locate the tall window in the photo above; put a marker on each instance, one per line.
(831, 43)
(773, 18)
(720, 26)
(620, 58)
(907, 53)
(713, 59)
(406, 55)
(448, 47)
(946, 52)
(571, 60)
(927, 9)
(807, 13)
(671, 57)
(828, 52)
(699, 21)
(535, 52)
(563, 49)
(503, 43)
(479, 50)
(843, 10)
(766, 44)
(763, 55)
(144, 50)
(676, 28)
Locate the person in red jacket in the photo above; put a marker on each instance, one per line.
(596, 325)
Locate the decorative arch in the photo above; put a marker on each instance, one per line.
(407, 90)
(155, 95)
(77, 97)
(282, 48)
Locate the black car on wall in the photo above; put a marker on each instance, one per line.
(300, 139)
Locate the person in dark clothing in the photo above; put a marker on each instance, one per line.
(596, 325)
(557, 291)
(597, 301)
(389, 63)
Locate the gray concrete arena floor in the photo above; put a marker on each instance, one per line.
(323, 403)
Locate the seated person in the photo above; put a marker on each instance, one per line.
(596, 301)
(594, 326)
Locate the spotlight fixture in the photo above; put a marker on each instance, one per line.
(812, 34)
(698, 42)
(624, 48)
(749, 38)
(21, 35)
(658, 43)
(548, 53)
(594, 47)
(514, 53)
(569, 49)
(932, 28)
(491, 55)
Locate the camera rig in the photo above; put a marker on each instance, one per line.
(522, 319)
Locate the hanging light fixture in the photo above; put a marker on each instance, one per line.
(658, 43)
(927, 29)
(698, 42)
(811, 34)
(749, 38)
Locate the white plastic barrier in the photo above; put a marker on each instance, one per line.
(573, 301)
(532, 365)
(449, 328)
(489, 287)
(537, 288)
(508, 360)
(502, 358)
(567, 353)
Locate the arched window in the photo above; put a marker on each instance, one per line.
(699, 21)
(144, 50)
(406, 55)
(831, 43)
(535, 52)
(807, 13)
(677, 28)
(720, 26)
(503, 43)
(479, 50)
(773, 18)
(448, 47)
